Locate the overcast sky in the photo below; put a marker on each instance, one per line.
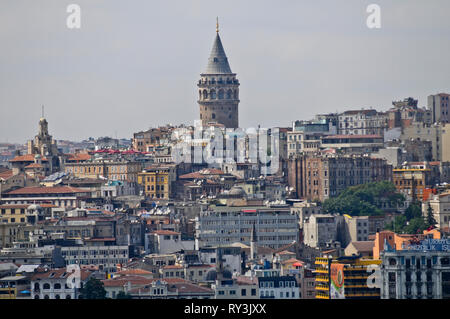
(135, 64)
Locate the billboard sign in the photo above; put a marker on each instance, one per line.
(337, 281)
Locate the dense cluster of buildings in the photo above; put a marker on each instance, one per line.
(194, 212)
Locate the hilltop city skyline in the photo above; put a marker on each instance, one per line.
(114, 75)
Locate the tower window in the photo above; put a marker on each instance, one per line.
(213, 115)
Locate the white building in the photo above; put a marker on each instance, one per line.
(417, 272)
(106, 257)
(272, 285)
(362, 122)
(166, 242)
(440, 204)
(56, 283)
(220, 225)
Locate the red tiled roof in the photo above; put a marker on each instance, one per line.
(34, 165)
(6, 174)
(188, 288)
(57, 274)
(47, 190)
(78, 157)
(26, 158)
(202, 173)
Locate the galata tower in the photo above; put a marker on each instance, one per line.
(218, 89)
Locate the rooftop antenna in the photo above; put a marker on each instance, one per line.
(42, 110)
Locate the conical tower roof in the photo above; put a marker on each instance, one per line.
(218, 62)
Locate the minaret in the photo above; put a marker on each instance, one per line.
(253, 249)
(218, 89)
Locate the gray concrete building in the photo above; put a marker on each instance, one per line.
(222, 225)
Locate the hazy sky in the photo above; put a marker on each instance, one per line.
(135, 64)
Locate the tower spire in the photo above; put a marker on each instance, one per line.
(217, 24)
(42, 110)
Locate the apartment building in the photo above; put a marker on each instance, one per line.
(362, 122)
(112, 169)
(324, 176)
(158, 181)
(418, 271)
(223, 225)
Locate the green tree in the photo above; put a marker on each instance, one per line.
(123, 295)
(398, 225)
(414, 210)
(415, 225)
(430, 216)
(364, 200)
(93, 289)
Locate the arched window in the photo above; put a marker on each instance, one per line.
(46, 286)
(221, 94)
(205, 94)
(199, 95)
(57, 286)
(36, 286)
(392, 261)
(213, 115)
(46, 297)
(68, 297)
(235, 94)
(229, 94)
(57, 297)
(213, 94)
(36, 297)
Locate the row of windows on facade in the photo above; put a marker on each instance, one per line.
(47, 286)
(248, 222)
(158, 187)
(152, 179)
(219, 80)
(99, 169)
(56, 297)
(13, 220)
(205, 95)
(94, 252)
(271, 294)
(14, 211)
(213, 116)
(420, 260)
(233, 292)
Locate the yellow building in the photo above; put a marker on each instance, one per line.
(157, 181)
(345, 278)
(412, 181)
(10, 214)
(112, 170)
(14, 287)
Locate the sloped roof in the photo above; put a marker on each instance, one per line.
(217, 61)
(48, 190)
(363, 246)
(26, 158)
